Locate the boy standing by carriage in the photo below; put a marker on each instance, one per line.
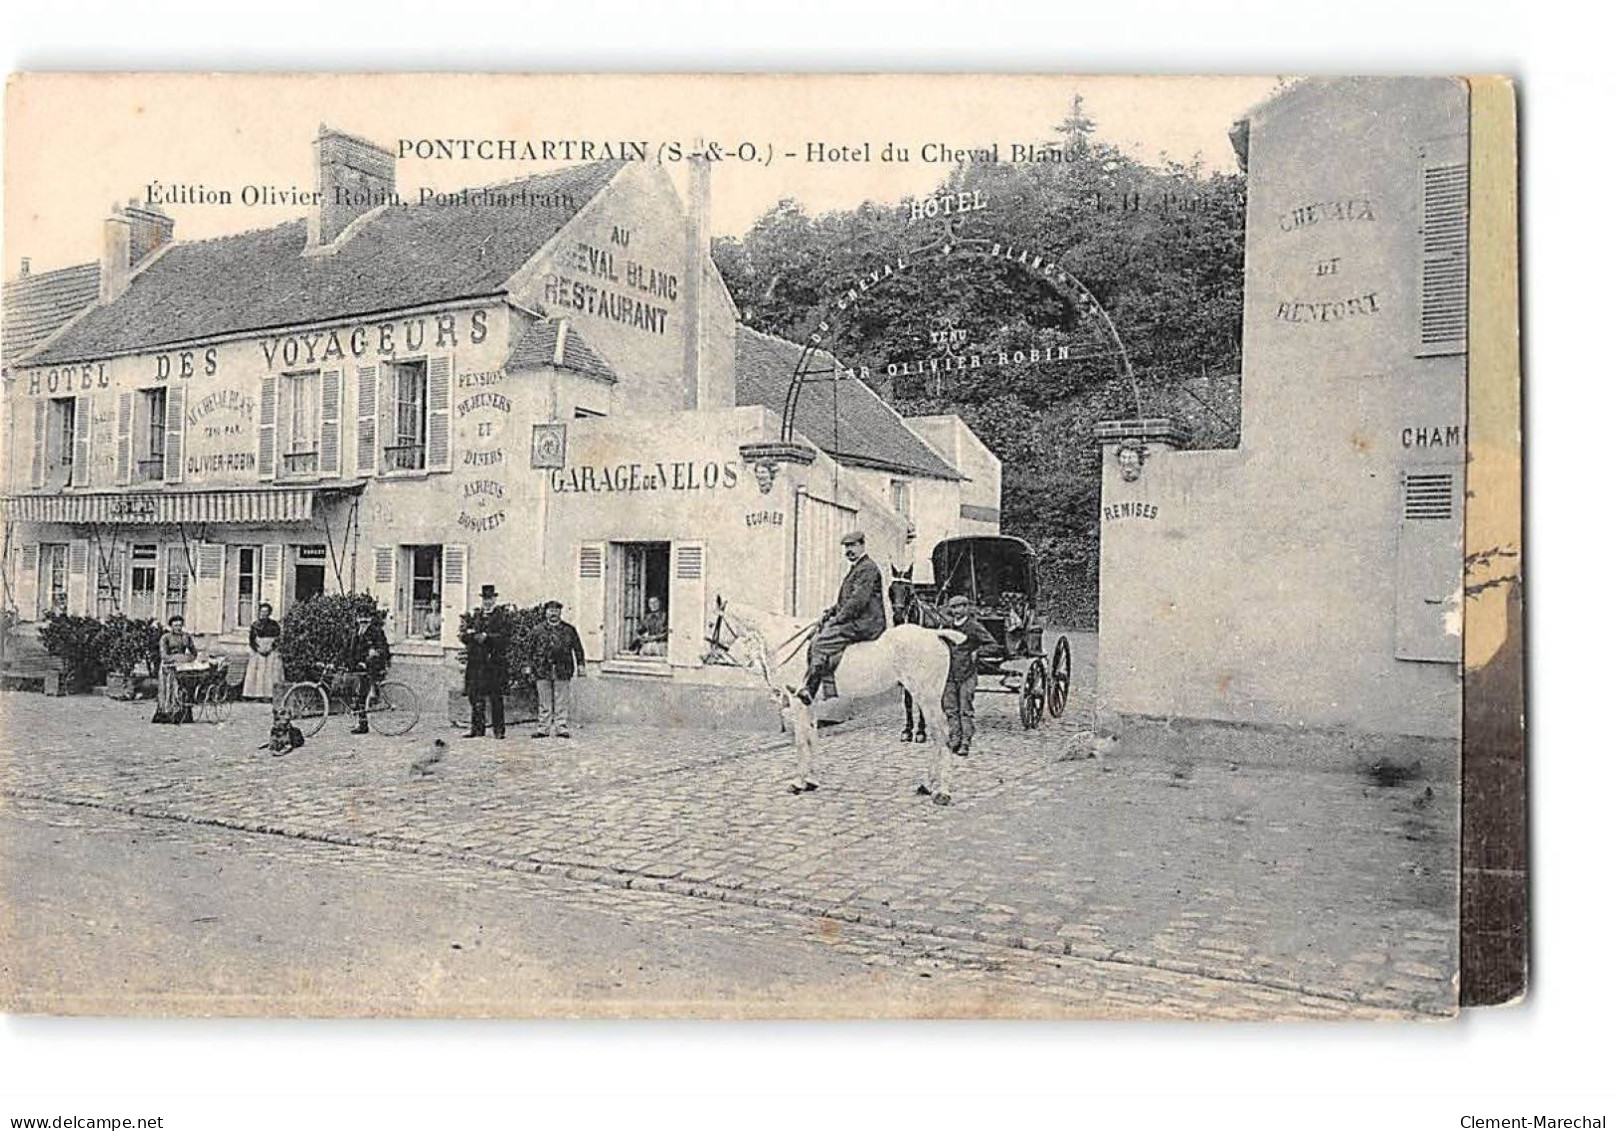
(959, 693)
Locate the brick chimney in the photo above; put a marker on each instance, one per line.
(131, 235)
(698, 246)
(354, 175)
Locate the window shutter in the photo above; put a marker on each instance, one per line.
(174, 437)
(384, 585)
(269, 575)
(331, 422)
(83, 410)
(28, 582)
(687, 604)
(386, 423)
(1430, 565)
(126, 417)
(437, 414)
(267, 455)
(78, 576)
(366, 441)
(207, 595)
(1444, 248)
(591, 599)
(456, 568)
(36, 478)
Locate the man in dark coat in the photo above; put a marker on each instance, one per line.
(959, 693)
(557, 656)
(486, 631)
(860, 613)
(365, 660)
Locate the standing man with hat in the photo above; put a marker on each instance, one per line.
(558, 654)
(485, 631)
(365, 661)
(959, 693)
(860, 613)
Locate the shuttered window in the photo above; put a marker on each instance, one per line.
(1428, 496)
(1430, 564)
(1444, 248)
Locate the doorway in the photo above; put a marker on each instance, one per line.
(308, 573)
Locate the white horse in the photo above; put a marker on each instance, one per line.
(906, 655)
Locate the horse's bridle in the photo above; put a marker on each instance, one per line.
(717, 650)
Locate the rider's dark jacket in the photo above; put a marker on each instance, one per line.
(860, 608)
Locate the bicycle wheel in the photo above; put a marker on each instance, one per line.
(393, 707)
(308, 705)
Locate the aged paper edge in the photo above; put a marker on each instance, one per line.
(1493, 910)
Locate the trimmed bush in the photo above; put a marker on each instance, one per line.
(317, 631)
(128, 644)
(77, 643)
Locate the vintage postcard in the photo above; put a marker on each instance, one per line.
(810, 546)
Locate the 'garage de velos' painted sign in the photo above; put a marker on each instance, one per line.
(661, 475)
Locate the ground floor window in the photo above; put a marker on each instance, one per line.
(641, 626)
(143, 582)
(308, 573)
(108, 580)
(422, 581)
(52, 578)
(243, 581)
(177, 584)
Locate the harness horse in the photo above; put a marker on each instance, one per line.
(906, 655)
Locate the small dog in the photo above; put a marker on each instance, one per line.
(284, 735)
(426, 765)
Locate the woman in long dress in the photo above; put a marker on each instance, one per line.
(175, 647)
(264, 667)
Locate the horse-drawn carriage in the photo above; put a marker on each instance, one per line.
(999, 577)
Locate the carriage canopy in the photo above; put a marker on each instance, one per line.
(984, 568)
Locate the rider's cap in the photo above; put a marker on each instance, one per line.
(852, 537)
(958, 601)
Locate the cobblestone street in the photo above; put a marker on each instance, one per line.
(1209, 877)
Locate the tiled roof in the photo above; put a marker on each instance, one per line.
(537, 347)
(401, 257)
(36, 306)
(844, 417)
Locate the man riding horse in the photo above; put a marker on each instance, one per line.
(860, 613)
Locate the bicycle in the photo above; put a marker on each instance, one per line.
(392, 706)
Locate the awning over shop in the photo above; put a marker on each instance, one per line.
(259, 505)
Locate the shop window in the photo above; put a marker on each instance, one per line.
(308, 573)
(52, 578)
(244, 584)
(421, 598)
(176, 582)
(143, 582)
(641, 597)
(300, 414)
(407, 452)
(108, 580)
(151, 435)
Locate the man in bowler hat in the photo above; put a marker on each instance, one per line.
(485, 632)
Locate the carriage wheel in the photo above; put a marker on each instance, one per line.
(307, 705)
(1034, 689)
(393, 708)
(217, 704)
(1060, 678)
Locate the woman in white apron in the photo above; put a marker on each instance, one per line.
(264, 667)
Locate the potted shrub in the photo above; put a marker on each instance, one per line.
(77, 643)
(130, 648)
(317, 631)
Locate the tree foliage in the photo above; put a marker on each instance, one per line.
(1160, 247)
